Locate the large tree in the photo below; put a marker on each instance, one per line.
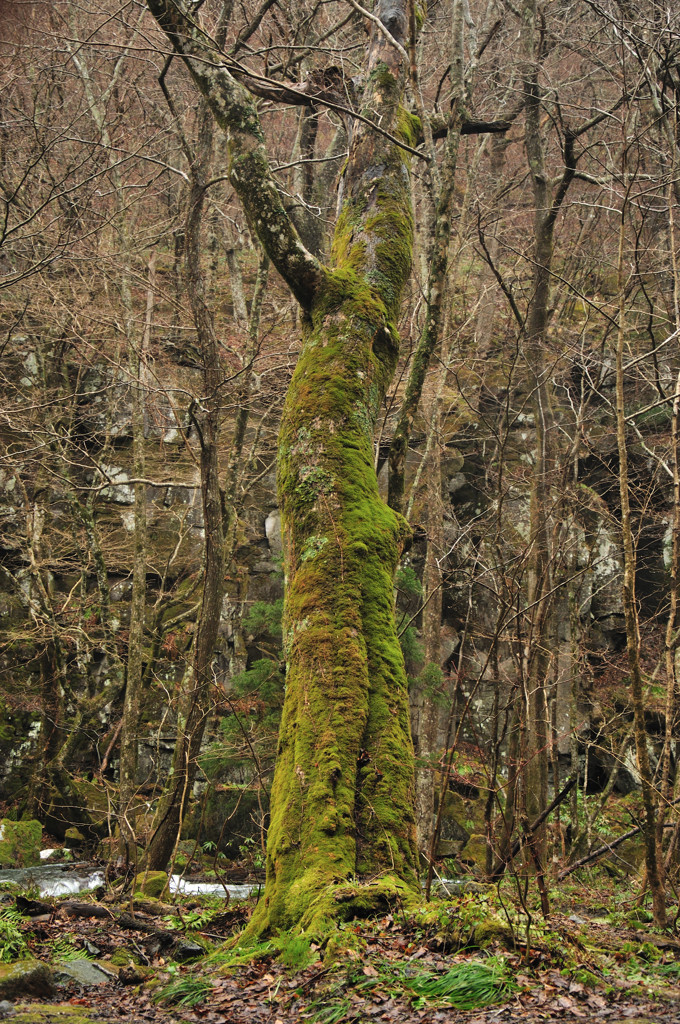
(342, 799)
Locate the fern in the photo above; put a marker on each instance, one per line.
(12, 943)
(62, 949)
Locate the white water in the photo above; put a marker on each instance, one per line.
(55, 879)
(181, 885)
(69, 879)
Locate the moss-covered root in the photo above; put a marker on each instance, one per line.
(341, 903)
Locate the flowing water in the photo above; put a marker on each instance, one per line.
(69, 879)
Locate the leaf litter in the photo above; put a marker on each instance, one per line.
(391, 970)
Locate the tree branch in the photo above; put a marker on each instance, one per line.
(249, 170)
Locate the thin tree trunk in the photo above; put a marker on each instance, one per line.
(135, 665)
(630, 611)
(193, 709)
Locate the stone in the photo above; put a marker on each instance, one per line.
(474, 852)
(152, 883)
(50, 1013)
(186, 950)
(26, 978)
(452, 834)
(19, 843)
(74, 836)
(83, 972)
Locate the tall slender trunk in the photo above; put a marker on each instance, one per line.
(630, 611)
(193, 709)
(135, 662)
(429, 706)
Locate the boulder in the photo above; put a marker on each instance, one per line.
(83, 972)
(19, 843)
(26, 978)
(152, 883)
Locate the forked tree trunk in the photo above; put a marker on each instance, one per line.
(342, 798)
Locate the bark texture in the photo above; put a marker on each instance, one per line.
(342, 798)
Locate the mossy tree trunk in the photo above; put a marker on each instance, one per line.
(342, 798)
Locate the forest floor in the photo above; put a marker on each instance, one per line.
(597, 958)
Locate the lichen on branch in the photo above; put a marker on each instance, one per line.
(249, 171)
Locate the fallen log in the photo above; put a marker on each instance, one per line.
(501, 864)
(604, 849)
(74, 908)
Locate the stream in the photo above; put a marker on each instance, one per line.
(69, 879)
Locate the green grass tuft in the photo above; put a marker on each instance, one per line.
(467, 986)
(184, 992)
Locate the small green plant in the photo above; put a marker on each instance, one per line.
(583, 976)
(296, 953)
(639, 915)
(12, 943)
(411, 646)
(407, 582)
(251, 850)
(241, 955)
(184, 992)
(643, 950)
(62, 949)
(192, 920)
(333, 1013)
(467, 986)
(671, 971)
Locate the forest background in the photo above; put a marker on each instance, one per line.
(528, 436)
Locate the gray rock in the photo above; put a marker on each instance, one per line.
(187, 950)
(84, 972)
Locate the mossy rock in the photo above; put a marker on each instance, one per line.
(74, 837)
(474, 853)
(76, 803)
(26, 978)
(453, 834)
(123, 957)
(94, 800)
(473, 919)
(19, 843)
(85, 973)
(493, 929)
(50, 1013)
(152, 883)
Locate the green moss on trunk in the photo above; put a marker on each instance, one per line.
(342, 799)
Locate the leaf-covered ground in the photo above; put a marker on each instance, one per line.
(591, 961)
